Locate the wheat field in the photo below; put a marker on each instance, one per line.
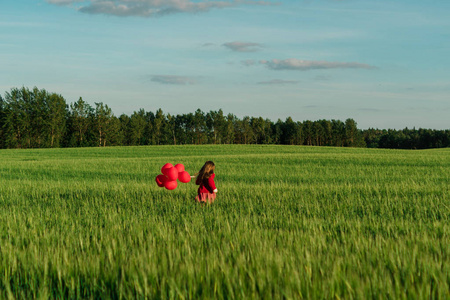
(289, 222)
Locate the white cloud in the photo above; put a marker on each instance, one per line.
(248, 62)
(151, 8)
(172, 79)
(322, 78)
(278, 81)
(63, 2)
(304, 65)
(243, 46)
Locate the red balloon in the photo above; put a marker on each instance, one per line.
(166, 166)
(171, 173)
(165, 169)
(184, 177)
(160, 180)
(179, 167)
(171, 185)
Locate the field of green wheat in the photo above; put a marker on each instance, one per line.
(289, 222)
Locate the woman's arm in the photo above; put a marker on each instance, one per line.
(212, 184)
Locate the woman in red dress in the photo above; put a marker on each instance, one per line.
(207, 188)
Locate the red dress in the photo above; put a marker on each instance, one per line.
(206, 189)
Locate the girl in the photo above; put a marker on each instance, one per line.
(205, 179)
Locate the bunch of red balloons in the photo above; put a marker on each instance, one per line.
(170, 174)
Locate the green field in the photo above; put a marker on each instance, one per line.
(288, 222)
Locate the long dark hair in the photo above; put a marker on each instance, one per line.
(205, 172)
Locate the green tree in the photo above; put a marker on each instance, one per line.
(148, 132)
(289, 130)
(171, 129)
(259, 127)
(188, 128)
(372, 137)
(308, 132)
(180, 129)
(137, 127)
(338, 129)
(216, 124)
(318, 133)
(38, 112)
(298, 138)
(277, 131)
(56, 119)
(158, 127)
(327, 132)
(243, 131)
(17, 118)
(249, 135)
(125, 129)
(353, 136)
(350, 132)
(2, 122)
(103, 116)
(229, 129)
(115, 134)
(32, 118)
(80, 114)
(199, 126)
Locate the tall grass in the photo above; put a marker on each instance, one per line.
(289, 222)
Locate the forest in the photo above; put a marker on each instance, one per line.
(36, 118)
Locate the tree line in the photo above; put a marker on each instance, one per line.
(39, 119)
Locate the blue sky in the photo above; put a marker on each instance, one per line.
(383, 63)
